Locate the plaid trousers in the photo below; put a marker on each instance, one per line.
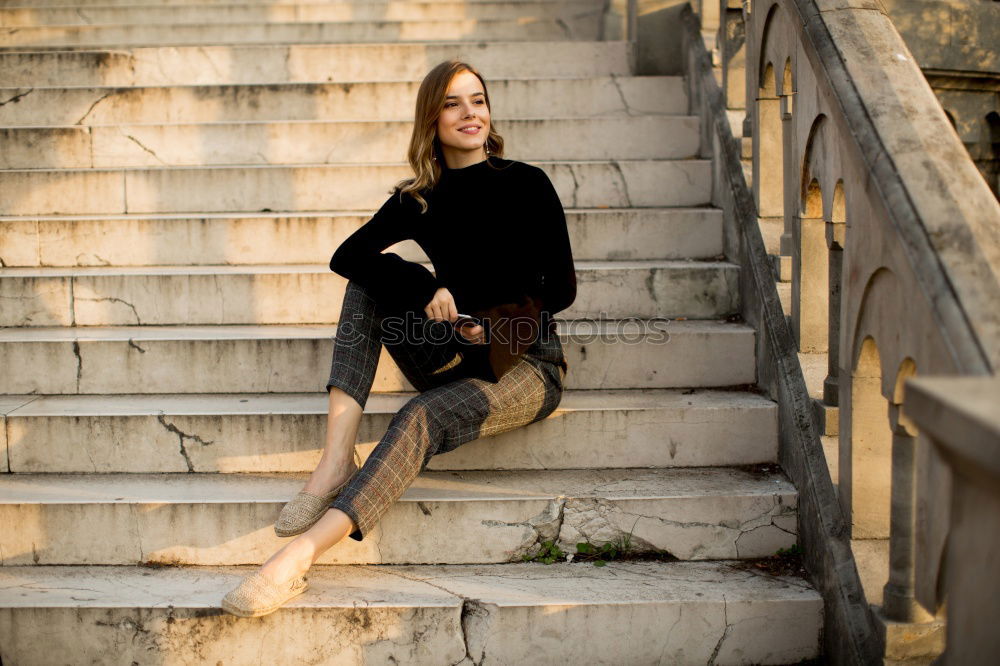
(452, 408)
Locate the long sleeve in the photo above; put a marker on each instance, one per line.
(396, 284)
(553, 254)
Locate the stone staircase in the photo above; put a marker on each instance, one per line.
(174, 181)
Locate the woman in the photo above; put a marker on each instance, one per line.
(496, 234)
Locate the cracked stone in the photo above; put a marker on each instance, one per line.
(544, 527)
(621, 95)
(111, 299)
(140, 144)
(98, 101)
(624, 183)
(17, 98)
(79, 363)
(589, 520)
(182, 436)
(725, 632)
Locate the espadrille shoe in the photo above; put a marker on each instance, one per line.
(258, 595)
(305, 509)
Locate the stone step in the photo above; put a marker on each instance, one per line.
(311, 187)
(597, 99)
(331, 142)
(276, 64)
(585, 26)
(295, 359)
(288, 13)
(219, 239)
(443, 516)
(37, 4)
(675, 613)
(283, 433)
(311, 294)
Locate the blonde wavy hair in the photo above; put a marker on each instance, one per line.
(425, 154)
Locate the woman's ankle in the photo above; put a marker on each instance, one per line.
(340, 459)
(294, 559)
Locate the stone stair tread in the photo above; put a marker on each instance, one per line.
(273, 12)
(289, 331)
(80, 106)
(327, 165)
(616, 183)
(352, 121)
(595, 57)
(260, 269)
(271, 85)
(430, 486)
(314, 214)
(260, 22)
(680, 427)
(353, 586)
(214, 3)
(180, 404)
(311, 32)
(276, 142)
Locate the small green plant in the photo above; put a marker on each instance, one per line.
(548, 553)
(616, 549)
(794, 550)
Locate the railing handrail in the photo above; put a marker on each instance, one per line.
(949, 227)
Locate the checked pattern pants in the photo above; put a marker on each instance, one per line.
(453, 407)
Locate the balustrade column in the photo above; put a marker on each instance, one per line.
(767, 158)
(835, 240)
(790, 196)
(810, 284)
(898, 598)
(733, 50)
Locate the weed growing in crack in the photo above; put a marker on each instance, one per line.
(620, 548)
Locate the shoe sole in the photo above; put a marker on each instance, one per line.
(229, 608)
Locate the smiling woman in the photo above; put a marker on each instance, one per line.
(496, 234)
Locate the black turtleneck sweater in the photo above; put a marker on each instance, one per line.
(496, 234)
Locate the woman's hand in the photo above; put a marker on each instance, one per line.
(475, 334)
(442, 307)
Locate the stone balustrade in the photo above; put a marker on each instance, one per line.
(960, 418)
(890, 238)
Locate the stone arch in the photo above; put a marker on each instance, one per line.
(838, 211)
(870, 446)
(768, 183)
(765, 37)
(811, 166)
(810, 256)
(812, 200)
(810, 274)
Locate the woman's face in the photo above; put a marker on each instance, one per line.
(464, 123)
